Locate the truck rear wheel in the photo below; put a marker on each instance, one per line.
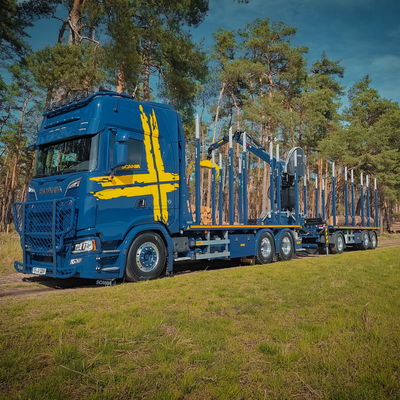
(286, 247)
(146, 258)
(373, 240)
(265, 249)
(339, 244)
(364, 245)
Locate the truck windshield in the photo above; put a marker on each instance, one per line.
(73, 155)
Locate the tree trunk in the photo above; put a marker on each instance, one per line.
(120, 81)
(12, 178)
(75, 23)
(146, 70)
(264, 191)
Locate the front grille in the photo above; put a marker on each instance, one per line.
(43, 225)
(39, 221)
(40, 244)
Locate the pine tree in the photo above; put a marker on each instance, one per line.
(15, 18)
(320, 103)
(64, 69)
(19, 119)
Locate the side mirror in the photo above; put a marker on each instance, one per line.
(120, 151)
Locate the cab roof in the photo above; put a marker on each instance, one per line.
(99, 110)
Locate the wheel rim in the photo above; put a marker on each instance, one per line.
(340, 243)
(266, 248)
(286, 245)
(373, 240)
(147, 256)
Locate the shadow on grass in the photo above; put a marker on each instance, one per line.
(183, 267)
(54, 283)
(77, 283)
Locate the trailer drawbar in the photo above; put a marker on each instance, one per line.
(109, 197)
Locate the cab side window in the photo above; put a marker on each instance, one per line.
(136, 155)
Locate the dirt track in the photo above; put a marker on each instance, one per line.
(32, 285)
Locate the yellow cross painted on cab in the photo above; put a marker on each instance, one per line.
(157, 181)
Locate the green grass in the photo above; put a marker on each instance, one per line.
(317, 328)
(392, 236)
(10, 251)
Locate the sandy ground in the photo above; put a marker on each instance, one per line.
(17, 284)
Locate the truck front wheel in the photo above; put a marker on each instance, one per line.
(146, 258)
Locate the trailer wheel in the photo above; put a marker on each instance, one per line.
(286, 247)
(146, 258)
(364, 245)
(339, 243)
(265, 249)
(373, 240)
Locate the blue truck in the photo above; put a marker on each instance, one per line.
(109, 198)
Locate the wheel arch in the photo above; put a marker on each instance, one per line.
(140, 229)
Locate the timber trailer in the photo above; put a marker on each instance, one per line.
(109, 198)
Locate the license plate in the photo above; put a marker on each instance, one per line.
(39, 271)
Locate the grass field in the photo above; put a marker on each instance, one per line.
(10, 250)
(316, 328)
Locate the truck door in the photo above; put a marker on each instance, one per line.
(140, 191)
(125, 197)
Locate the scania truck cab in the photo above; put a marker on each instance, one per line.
(107, 168)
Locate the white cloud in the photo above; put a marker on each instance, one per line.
(387, 62)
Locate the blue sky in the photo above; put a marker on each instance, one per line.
(363, 34)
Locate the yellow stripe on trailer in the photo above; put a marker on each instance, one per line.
(355, 227)
(241, 226)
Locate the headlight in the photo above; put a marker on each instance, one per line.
(86, 245)
(74, 184)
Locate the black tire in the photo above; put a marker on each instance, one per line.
(286, 247)
(146, 258)
(265, 249)
(339, 243)
(373, 240)
(364, 245)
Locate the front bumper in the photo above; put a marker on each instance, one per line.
(91, 265)
(48, 230)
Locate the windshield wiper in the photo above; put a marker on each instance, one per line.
(70, 171)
